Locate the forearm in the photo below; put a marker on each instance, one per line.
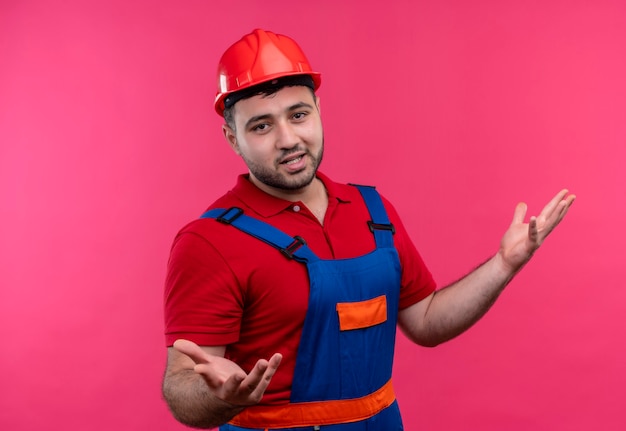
(455, 308)
(192, 403)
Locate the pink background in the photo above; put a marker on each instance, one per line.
(456, 110)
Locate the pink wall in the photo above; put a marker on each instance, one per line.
(108, 144)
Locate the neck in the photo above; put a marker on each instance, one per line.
(317, 202)
(313, 196)
(302, 194)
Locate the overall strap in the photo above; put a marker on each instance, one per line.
(291, 247)
(380, 225)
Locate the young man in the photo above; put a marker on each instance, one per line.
(282, 300)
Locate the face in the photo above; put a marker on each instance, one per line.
(280, 138)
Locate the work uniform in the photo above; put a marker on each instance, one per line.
(342, 370)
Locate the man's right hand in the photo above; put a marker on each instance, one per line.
(226, 379)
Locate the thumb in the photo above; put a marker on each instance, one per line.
(520, 213)
(192, 350)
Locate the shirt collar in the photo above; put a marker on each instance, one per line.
(267, 205)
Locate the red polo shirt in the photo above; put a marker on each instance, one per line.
(225, 287)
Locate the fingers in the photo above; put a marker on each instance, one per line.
(275, 360)
(226, 379)
(555, 203)
(562, 208)
(565, 204)
(259, 378)
(221, 373)
(552, 214)
(232, 385)
(533, 232)
(556, 209)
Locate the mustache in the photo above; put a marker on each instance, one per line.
(296, 149)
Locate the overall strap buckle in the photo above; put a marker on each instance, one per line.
(288, 251)
(230, 215)
(378, 226)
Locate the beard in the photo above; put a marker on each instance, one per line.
(290, 182)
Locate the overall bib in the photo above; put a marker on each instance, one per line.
(342, 377)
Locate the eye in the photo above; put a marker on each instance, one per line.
(262, 127)
(299, 116)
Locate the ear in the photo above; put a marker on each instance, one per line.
(317, 103)
(231, 138)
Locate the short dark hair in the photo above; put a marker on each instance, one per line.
(264, 89)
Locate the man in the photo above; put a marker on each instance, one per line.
(282, 300)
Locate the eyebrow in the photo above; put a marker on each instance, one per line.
(293, 107)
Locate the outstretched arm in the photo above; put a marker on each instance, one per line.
(450, 311)
(204, 390)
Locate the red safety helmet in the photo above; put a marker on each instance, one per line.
(259, 57)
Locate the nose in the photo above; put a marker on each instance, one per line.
(286, 136)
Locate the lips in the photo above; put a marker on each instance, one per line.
(294, 162)
(292, 159)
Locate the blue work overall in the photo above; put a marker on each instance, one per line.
(342, 377)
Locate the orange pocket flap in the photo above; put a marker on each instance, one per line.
(362, 314)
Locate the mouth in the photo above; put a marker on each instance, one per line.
(294, 163)
(293, 159)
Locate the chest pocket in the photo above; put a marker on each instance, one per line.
(362, 314)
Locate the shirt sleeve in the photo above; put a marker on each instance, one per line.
(203, 302)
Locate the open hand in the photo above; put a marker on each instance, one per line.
(521, 240)
(226, 379)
